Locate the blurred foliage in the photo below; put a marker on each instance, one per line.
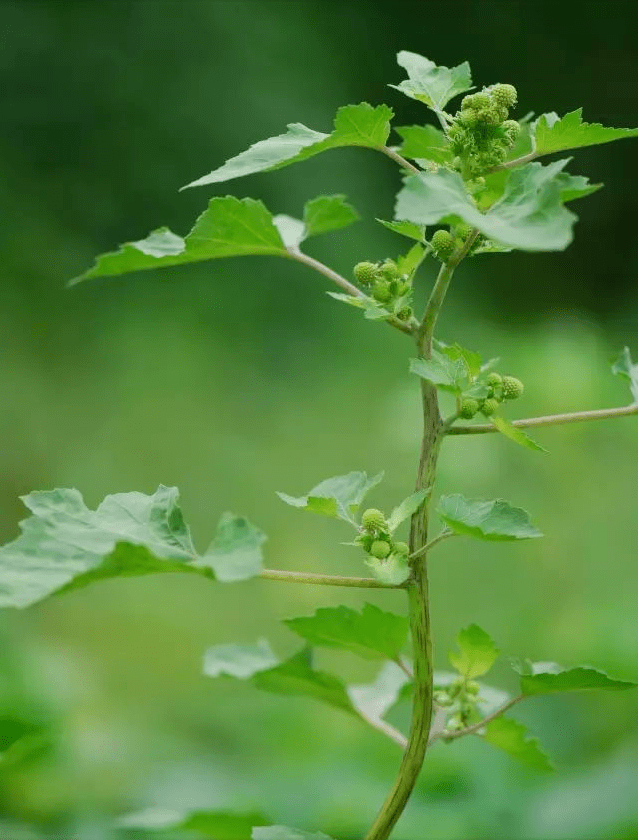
(236, 379)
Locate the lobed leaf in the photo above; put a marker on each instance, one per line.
(442, 371)
(282, 832)
(354, 125)
(235, 553)
(548, 677)
(551, 133)
(372, 634)
(407, 508)
(486, 520)
(239, 661)
(338, 497)
(513, 738)
(477, 652)
(432, 85)
(408, 229)
(424, 143)
(624, 366)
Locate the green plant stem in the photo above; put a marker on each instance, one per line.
(549, 420)
(395, 156)
(471, 730)
(439, 538)
(327, 580)
(510, 164)
(344, 284)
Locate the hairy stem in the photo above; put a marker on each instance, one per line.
(549, 420)
(405, 164)
(327, 580)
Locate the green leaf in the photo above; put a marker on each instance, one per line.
(222, 825)
(548, 677)
(393, 570)
(528, 216)
(235, 553)
(493, 520)
(375, 699)
(433, 85)
(372, 310)
(552, 133)
(408, 229)
(239, 661)
(407, 508)
(408, 263)
(471, 358)
(477, 652)
(371, 634)
(575, 186)
(442, 371)
(282, 832)
(339, 496)
(513, 738)
(514, 433)
(354, 125)
(624, 366)
(424, 142)
(297, 677)
(326, 213)
(291, 230)
(229, 227)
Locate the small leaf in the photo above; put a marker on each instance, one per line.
(337, 497)
(235, 553)
(575, 186)
(372, 633)
(408, 229)
(240, 661)
(393, 570)
(374, 700)
(354, 125)
(326, 213)
(493, 520)
(477, 652)
(441, 371)
(433, 85)
(222, 825)
(424, 142)
(372, 310)
(624, 366)
(297, 677)
(548, 677)
(512, 737)
(229, 227)
(408, 263)
(471, 359)
(407, 508)
(553, 134)
(514, 433)
(282, 832)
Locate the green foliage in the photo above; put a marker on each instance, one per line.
(512, 737)
(477, 652)
(548, 677)
(282, 832)
(424, 143)
(338, 497)
(407, 507)
(552, 133)
(624, 367)
(235, 553)
(494, 520)
(515, 434)
(432, 85)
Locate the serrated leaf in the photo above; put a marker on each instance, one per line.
(624, 367)
(513, 738)
(407, 507)
(442, 371)
(239, 661)
(339, 496)
(354, 125)
(235, 553)
(432, 85)
(548, 677)
(296, 676)
(229, 227)
(471, 358)
(282, 832)
(326, 213)
(424, 142)
(371, 309)
(552, 133)
(575, 186)
(393, 570)
(372, 634)
(514, 433)
(374, 700)
(477, 652)
(408, 229)
(529, 215)
(222, 825)
(486, 520)
(408, 263)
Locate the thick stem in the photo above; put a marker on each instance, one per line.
(418, 598)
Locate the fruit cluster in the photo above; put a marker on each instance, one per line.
(481, 133)
(375, 537)
(499, 388)
(385, 283)
(460, 698)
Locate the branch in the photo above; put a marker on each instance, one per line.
(471, 730)
(344, 284)
(510, 164)
(439, 538)
(327, 580)
(405, 164)
(549, 420)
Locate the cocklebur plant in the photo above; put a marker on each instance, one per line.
(472, 185)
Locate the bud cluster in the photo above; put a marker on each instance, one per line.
(499, 389)
(459, 699)
(375, 537)
(482, 133)
(385, 283)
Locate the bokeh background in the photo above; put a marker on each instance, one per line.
(233, 379)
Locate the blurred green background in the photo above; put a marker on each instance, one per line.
(236, 378)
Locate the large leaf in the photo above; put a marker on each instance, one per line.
(229, 227)
(477, 652)
(513, 738)
(424, 142)
(486, 520)
(354, 125)
(239, 661)
(552, 133)
(624, 366)
(529, 215)
(373, 633)
(433, 85)
(222, 825)
(65, 545)
(407, 508)
(283, 832)
(339, 496)
(514, 433)
(374, 700)
(235, 553)
(548, 677)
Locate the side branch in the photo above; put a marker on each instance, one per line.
(475, 727)
(510, 164)
(344, 284)
(549, 420)
(327, 580)
(403, 163)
